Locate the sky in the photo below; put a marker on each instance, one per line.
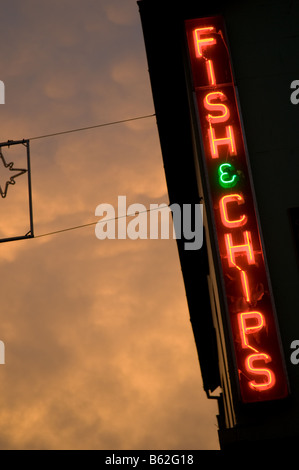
(99, 349)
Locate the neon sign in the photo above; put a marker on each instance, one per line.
(247, 292)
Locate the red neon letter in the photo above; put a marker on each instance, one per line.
(223, 211)
(216, 106)
(245, 329)
(228, 140)
(247, 249)
(245, 286)
(199, 43)
(211, 74)
(268, 374)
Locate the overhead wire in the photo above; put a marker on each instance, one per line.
(93, 127)
(76, 227)
(112, 123)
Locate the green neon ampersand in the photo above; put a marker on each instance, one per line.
(227, 175)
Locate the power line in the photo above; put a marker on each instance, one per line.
(66, 230)
(76, 227)
(84, 129)
(93, 127)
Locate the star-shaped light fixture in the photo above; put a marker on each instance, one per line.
(6, 177)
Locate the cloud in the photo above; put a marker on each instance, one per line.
(99, 348)
(120, 13)
(94, 341)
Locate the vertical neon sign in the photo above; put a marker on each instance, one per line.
(251, 313)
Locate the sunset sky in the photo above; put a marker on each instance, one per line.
(99, 347)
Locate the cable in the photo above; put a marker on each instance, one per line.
(66, 230)
(93, 127)
(84, 129)
(98, 222)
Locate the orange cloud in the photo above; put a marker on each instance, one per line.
(99, 348)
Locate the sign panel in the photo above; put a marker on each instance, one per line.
(250, 306)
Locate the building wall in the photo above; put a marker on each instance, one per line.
(264, 40)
